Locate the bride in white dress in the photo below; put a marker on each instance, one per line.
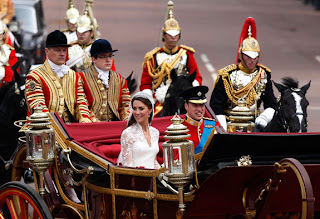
(139, 141)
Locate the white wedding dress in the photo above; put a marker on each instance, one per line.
(135, 150)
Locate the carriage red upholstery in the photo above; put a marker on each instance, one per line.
(103, 138)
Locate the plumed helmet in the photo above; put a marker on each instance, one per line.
(72, 15)
(248, 43)
(101, 46)
(84, 23)
(171, 25)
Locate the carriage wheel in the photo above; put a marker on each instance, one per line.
(22, 202)
(18, 164)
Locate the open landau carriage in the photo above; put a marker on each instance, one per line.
(282, 180)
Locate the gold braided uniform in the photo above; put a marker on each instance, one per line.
(64, 96)
(234, 82)
(107, 104)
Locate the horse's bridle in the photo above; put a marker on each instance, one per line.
(282, 119)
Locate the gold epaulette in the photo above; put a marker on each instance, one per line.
(224, 72)
(188, 48)
(73, 43)
(150, 54)
(264, 67)
(227, 69)
(207, 118)
(64, 30)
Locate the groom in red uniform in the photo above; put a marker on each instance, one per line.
(199, 127)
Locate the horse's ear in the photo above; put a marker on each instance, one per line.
(306, 87)
(192, 77)
(173, 75)
(280, 87)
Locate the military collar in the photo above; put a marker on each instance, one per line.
(172, 51)
(193, 122)
(245, 69)
(85, 46)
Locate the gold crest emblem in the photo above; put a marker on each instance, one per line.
(32, 86)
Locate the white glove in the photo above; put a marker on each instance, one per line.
(265, 117)
(161, 92)
(2, 73)
(223, 121)
(195, 83)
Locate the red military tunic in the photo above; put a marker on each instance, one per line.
(195, 129)
(7, 60)
(157, 56)
(157, 67)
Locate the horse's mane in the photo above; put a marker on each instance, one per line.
(290, 82)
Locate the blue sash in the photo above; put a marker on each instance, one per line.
(207, 129)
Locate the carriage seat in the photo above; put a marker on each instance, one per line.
(103, 138)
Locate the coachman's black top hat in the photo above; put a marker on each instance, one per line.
(56, 39)
(101, 46)
(195, 94)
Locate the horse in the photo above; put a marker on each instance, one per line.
(291, 112)
(12, 108)
(173, 103)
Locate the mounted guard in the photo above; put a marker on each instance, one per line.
(72, 15)
(248, 81)
(87, 32)
(8, 57)
(159, 62)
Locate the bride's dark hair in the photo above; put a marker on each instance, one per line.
(147, 103)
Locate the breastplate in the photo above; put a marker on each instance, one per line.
(240, 79)
(168, 58)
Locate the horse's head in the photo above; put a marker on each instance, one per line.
(293, 104)
(173, 103)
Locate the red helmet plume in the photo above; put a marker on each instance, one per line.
(248, 30)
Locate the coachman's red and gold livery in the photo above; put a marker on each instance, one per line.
(55, 86)
(44, 87)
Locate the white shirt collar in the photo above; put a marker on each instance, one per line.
(103, 76)
(60, 70)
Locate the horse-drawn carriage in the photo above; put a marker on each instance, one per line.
(283, 178)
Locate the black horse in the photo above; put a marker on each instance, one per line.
(12, 108)
(291, 114)
(173, 103)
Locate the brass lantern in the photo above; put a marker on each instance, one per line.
(241, 118)
(180, 171)
(40, 143)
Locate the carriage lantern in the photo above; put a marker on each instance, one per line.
(180, 171)
(40, 143)
(241, 118)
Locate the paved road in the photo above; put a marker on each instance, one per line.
(288, 33)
